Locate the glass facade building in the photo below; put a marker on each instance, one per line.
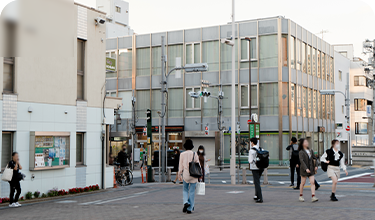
(288, 67)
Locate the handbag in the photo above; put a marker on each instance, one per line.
(7, 174)
(201, 188)
(194, 168)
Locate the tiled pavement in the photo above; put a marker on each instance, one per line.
(163, 201)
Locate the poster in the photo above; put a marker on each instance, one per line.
(39, 160)
(51, 151)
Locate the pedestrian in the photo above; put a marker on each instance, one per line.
(257, 172)
(294, 162)
(189, 182)
(334, 158)
(308, 168)
(176, 161)
(122, 158)
(203, 161)
(15, 182)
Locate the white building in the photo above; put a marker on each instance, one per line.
(52, 106)
(117, 17)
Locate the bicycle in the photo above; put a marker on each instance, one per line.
(123, 177)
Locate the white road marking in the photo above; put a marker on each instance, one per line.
(235, 192)
(88, 203)
(348, 177)
(66, 201)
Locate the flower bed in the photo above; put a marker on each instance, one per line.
(54, 192)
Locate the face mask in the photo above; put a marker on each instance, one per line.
(201, 151)
(337, 146)
(124, 150)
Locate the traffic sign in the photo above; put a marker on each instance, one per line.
(347, 128)
(249, 121)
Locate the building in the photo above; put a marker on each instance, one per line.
(288, 66)
(52, 104)
(117, 18)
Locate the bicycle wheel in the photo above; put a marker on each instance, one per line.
(129, 178)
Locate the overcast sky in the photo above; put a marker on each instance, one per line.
(347, 21)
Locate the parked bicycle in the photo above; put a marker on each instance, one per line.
(124, 176)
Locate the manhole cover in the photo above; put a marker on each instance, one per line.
(67, 201)
(235, 192)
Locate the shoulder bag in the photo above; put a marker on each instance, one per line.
(194, 168)
(7, 174)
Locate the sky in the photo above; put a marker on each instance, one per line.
(347, 21)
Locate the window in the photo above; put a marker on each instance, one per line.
(268, 51)
(323, 106)
(323, 58)
(298, 54)
(292, 52)
(360, 104)
(299, 100)
(227, 103)
(285, 98)
(173, 52)
(361, 128)
(143, 61)
(8, 74)
(319, 105)
(226, 56)
(80, 69)
(293, 98)
(175, 103)
(118, 9)
(360, 81)
(318, 62)
(210, 55)
(315, 104)
(156, 61)
(284, 50)
(125, 65)
(143, 102)
(303, 59)
(126, 110)
(314, 61)
(310, 101)
(210, 107)
(304, 101)
(309, 60)
(193, 53)
(245, 96)
(268, 99)
(340, 75)
(79, 148)
(155, 102)
(192, 103)
(6, 148)
(333, 112)
(332, 70)
(245, 53)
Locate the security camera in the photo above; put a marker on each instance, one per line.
(228, 42)
(99, 20)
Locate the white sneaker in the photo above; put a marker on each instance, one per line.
(13, 205)
(18, 204)
(314, 199)
(301, 199)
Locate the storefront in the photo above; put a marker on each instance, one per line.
(116, 141)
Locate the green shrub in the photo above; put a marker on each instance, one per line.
(44, 195)
(29, 195)
(36, 194)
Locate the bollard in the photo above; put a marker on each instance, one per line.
(169, 173)
(265, 177)
(243, 175)
(114, 178)
(142, 175)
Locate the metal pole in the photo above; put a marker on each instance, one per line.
(133, 132)
(347, 104)
(233, 108)
(162, 90)
(159, 149)
(249, 79)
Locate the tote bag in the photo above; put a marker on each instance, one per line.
(7, 174)
(194, 168)
(201, 188)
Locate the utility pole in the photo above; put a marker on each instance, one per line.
(162, 91)
(133, 129)
(233, 108)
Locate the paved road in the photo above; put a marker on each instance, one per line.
(222, 201)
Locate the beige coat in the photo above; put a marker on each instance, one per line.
(185, 158)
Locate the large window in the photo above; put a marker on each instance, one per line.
(173, 52)
(210, 107)
(8, 74)
(111, 74)
(227, 103)
(192, 103)
(299, 100)
(304, 100)
(126, 110)
(361, 128)
(315, 104)
(292, 52)
(309, 59)
(175, 103)
(298, 54)
(360, 104)
(268, 99)
(293, 98)
(323, 106)
(303, 58)
(331, 64)
(318, 62)
(143, 61)
(125, 63)
(79, 148)
(310, 102)
(268, 51)
(6, 149)
(245, 53)
(226, 56)
(156, 61)
(319, 105)
(314, 61)
(284, 50)
(193, 53)
(323, 66)
(245, 96)
(285, 98)
(360, 81)
(143, 102)
(80, 69)
(210, 55)
(155, 102)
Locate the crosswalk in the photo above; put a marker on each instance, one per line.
(101, 202)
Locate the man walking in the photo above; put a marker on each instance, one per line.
(294, 162)
(122, 158)
(257, 172)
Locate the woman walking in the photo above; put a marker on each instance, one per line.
(176, 162)
(333, 157)
(308, 168)
(184, 175)
(203, 161)
(15, 182)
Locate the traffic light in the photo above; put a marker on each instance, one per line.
(205, 93)
(206, 130)
(144, 131)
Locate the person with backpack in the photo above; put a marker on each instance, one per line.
(334, 158)
(308, 168)
(258, 160)
(294, 162)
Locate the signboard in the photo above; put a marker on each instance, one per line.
(368, 110)
(339, 126)
(338, 134)
(257, 130)
(254, 130)
(348, 128)
(110, 64)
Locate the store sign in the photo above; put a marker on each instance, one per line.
(339, 126)
(368, 110)
(110, 64)
(254, 130)
(338, 134)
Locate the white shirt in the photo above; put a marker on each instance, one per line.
(337, 157)
(252, 157)
(308, 152)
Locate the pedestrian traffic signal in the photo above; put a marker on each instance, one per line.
(206, 130)
(145, 131)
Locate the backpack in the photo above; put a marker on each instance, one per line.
(262, 158)
(295, 153)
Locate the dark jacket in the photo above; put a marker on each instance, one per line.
(331, 157)
(16, 173)
(307, 163)
(293, 159)
(122, 158)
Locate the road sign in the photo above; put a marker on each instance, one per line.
(249, 121)
(368, 110)
(347, 128)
